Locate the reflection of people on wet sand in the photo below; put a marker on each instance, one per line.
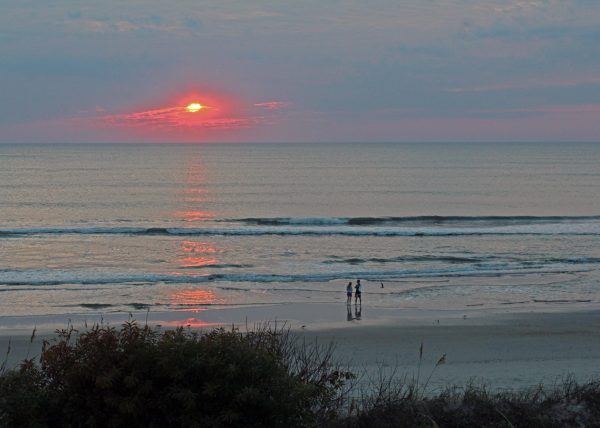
(357, 292)
(349, 293)
(357, 311)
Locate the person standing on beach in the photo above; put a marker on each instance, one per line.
(349, 292)
(357, 292)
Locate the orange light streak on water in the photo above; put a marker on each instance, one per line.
(191, 262)
(194, 254)
(192, 297)
(192, 300)
(190, 322)
(195, 191)
(199, 247)
(194, 215)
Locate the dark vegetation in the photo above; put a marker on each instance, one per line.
(137, 376)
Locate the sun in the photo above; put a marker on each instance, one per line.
(194, 107)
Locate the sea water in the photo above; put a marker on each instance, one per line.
(98, 228)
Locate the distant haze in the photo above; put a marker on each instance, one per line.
(314, 70)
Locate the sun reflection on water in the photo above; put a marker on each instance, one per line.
(199, 247)
(190, 322)
(194, 254)
(194, 215)
(191, 262)
(193, 300)
(193, 297)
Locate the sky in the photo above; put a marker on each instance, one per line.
(310, 70)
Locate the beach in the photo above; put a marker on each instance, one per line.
(501, 349)
(463, 248)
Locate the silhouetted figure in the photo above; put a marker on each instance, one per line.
(349, 293)
(358, 292)
(382, 285)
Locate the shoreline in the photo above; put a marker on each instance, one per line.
(505, 350)
(297, 316)
(314, 315)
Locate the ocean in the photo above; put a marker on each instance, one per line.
(109, 228)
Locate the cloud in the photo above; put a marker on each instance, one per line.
(178, 118)
(192, 24)
(520, 7)
(273, 105)
(102, 26)
(551, 109)
(554, 83)
(78, 22)
(74, 14)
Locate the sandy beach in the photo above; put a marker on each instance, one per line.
(516, 349)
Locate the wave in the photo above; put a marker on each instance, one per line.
(95, 305)
(574, 260)
(347, 226)
(400, 259)
(408, 220)
(534, 229)
(52, 278)
(478, 261)
(217, 266)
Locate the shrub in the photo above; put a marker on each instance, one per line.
(138, 376)
(567, 405)
(23, 398)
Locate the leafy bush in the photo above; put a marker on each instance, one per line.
(138, 376)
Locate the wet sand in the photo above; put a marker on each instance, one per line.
(502, 349)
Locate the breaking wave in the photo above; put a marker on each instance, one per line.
(564, 228)
(411, 220)
(51, 278)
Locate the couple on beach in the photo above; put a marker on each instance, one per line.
(357, 292)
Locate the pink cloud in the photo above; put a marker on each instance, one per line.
(178, 118)
(220, 118)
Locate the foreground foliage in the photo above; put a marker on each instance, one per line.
(566, 405)
(137, 376)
